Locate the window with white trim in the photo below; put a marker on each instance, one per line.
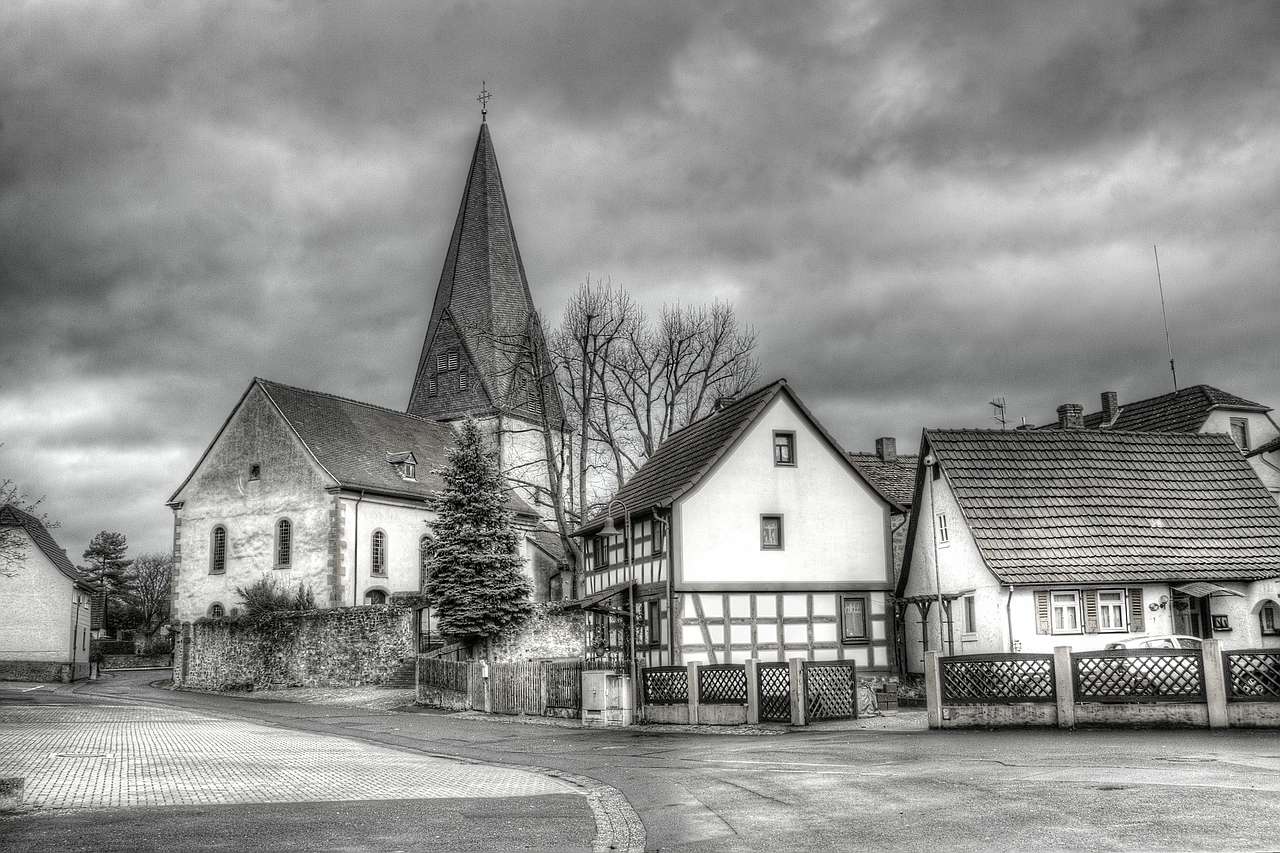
(944, 535)
(1065, 611)
(1111, 609)
(216, 611)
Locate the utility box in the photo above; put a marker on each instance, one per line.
(607, 699)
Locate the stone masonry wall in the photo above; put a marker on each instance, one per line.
(549, 633)
(342, 647)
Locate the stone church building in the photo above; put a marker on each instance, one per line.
(310, 488)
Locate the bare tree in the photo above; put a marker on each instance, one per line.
(147, 601)
(13, 539)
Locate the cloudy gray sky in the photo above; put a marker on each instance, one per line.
(919, 207)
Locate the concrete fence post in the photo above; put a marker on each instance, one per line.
(799, 709)
(1064, 686)
(694, 695)
(933, 689)
(1215, 684)
(753, 692)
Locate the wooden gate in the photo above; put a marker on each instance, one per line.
(516, 688)
(831, 691)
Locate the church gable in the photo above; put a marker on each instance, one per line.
(255, 446)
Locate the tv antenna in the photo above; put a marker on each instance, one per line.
(997, 414)
(1168, 341)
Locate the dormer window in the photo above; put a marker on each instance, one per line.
(1240, 433)
(405, 464)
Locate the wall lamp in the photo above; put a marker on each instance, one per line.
(1159, 605)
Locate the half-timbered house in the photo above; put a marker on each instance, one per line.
(748, 534)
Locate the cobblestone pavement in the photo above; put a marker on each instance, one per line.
(77, 756)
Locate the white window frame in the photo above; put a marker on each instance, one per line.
(284, 543)
(785, 441)
(1119, 605)
(969, 615)
(944, 534)
(378, 554)
(1074, 607)
(765, 544)
(1242, 441)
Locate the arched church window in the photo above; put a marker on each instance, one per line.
(218, 551)
(379, 553)
(284, 543)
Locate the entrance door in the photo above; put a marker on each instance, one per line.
(1190, 615)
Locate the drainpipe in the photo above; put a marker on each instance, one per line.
(937, 574)
(1008, 616)
(671, 602)
(355, 555)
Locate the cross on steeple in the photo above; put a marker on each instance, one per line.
(484, 102)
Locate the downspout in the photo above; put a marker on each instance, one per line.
(937, 574)
(355, 554)
(1008, 616)
(75, 633)
(671, 602)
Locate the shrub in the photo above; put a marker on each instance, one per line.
(267, 595)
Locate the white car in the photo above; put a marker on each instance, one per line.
(1163, 641)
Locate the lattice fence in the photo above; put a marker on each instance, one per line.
(665, 685)
(831, 691)
(775, 692)
(979, 679)
(1132, 675)
(1253, 675)
(722, 684)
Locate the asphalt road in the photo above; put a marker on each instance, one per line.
(1144, 790)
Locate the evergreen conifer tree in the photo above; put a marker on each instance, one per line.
(475, 580)
(107, 562)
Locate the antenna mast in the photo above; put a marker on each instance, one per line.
(1165, 315)
(997, 414)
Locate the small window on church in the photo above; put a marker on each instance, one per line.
(433, 387)
(462, 380)
(379, 553)
(410, 471)
(255, 471)
(453, 359)
(218, 551)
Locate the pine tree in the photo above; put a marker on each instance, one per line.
(475, 580)
(107, 563)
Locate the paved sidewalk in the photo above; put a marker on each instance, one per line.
(76, 756)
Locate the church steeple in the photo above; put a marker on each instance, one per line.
(483, 349)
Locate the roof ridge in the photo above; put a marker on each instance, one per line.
(340, 398)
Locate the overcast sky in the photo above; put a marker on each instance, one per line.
(919, 207)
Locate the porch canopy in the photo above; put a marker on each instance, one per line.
(595, 601)
(1201, 589)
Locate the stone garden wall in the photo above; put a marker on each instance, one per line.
(341, 647)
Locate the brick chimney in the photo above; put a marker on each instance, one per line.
(1110, 407)
(1071, 416)
(887, 449)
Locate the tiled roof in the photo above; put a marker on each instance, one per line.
(1095, 507)
(484, 292)
(687, 454)
(1184, 410)
(896, 480)
(1273, 444)
(352, 440)
(11, 516)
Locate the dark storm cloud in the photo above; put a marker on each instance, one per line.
(918, 206)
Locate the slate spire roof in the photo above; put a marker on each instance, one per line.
(483, 311)
(1087, 506)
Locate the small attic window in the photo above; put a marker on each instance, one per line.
(405, 464)
(255, 471)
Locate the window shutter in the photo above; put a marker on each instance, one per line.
(1091, 611)
(1137, 618)
(1042, 612)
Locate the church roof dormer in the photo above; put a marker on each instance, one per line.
(478, 349)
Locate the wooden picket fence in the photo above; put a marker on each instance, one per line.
(533, 688)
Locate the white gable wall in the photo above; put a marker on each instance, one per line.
(962, 570)
(39, 613)
(835, 528)
(220, 492)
